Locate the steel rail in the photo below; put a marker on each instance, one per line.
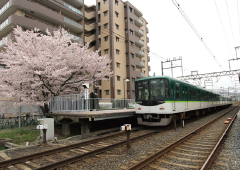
(49, 152)
(95, 152)
(207, 164)
(173, 145)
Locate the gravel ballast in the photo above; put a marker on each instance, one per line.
(122, 158)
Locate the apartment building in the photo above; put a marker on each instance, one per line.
(42, 14)
(114, 27)
(118, 29)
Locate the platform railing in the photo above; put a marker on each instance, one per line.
(78, 103)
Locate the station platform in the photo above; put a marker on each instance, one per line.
(85, 118)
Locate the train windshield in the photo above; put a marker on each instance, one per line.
(155, 89)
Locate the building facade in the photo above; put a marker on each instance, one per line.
(121, 33)
(113, 27)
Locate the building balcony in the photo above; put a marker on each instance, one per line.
(139, 32)
(137, 12)
(147, 39)
(140, 64)
(42, 14)
(147, 30)
(148, 58)
(90, 15)
(27, 23)
(140, 53)
(139, 43)
(93, 48)
(149, 68)
(90, 27)
(69, 9)
(90, 38)
(138, 22)
(148, 49)
(76, 38)
(140, 75)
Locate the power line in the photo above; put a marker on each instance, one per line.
(195, 31)
(230, 23)
(223, 28)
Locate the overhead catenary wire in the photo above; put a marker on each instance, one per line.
(230, 23)
(223, 28)
(196, 32)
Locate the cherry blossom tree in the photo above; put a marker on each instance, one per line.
(42, 66)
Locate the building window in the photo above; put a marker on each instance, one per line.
(99, 17)
(107, 92)
(106, 25)
(99, 43)
(117, 39)
(131, 32)
(99, 30)
(133, 79)
(99, 53)
(116, 14)
(100, 82)
(126, 54)
(130, 9)
(116, 2)
(133, 68)
(106, 51)
(125, 19)
(119, 92)
(128, 92)
(105, 13)
(126, 31)
(133, 93)
(105, 1)
(117, 52)
(106, 38)
(118, 78)
(117, 26)
(132, 55)
(125, 7)
(118, 65)
(100, 93)
(131, 20)
(127, 66)
(99, 7)
(132, 43)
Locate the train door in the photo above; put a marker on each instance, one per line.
(185, 98)
(176, 95)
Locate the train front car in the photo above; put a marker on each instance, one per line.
(152, 106)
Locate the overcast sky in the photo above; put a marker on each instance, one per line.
(171, 36)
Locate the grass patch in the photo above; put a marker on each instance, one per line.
(25, 134)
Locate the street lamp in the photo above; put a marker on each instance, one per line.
(125, 79)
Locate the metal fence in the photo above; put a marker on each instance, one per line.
(11, 122)
(78, 103)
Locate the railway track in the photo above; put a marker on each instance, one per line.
(58, 157)
(78, 155)
(196, 150)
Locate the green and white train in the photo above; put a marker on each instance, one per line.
(159, 100)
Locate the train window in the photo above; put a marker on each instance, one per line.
(159, 89)
(202, 95)
(142, 92)
(178, 96)
(192, 94)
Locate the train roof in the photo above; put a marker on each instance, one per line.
(179, 81)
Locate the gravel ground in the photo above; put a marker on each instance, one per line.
(126, 158)
(229, 154)
(123, 158)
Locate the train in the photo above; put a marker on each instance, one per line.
(161, 99)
